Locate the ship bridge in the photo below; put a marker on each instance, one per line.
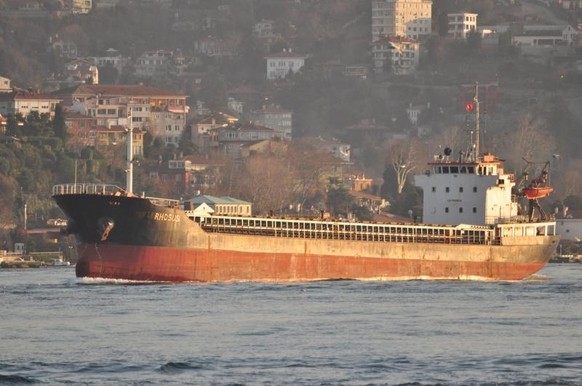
(470, 192)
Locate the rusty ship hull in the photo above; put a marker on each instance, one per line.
(133, 238)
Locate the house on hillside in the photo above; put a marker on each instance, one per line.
(5, 85)
(204, 134)
(64, 48)
(461, 25)
(150, 63)
(397, 55)
(24, 102)
(215, 47)
(160, 112)
(74, 72)
(543, 41)
(81, 129)
(111, 57)
(283, 63)
(232, 139)
(275, 117)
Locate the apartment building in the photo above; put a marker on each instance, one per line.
(405, 18)
(397, 55)
(461, 25)
(275, 117)
(146, 108)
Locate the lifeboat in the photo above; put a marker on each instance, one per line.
(533, 193)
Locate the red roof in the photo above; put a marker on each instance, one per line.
(26, 95)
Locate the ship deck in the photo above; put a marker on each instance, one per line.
(325, 229)
(358, 231)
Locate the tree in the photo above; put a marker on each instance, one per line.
(108, 74)
(530, 141)
(12, 126)
(8, 189)
(59, 125)
(404, 157)
(573, 202)
(310, 166)
(267, 182)
(339, 201)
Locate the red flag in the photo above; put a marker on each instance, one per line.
(469, 106)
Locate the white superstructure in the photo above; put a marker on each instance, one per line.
(478, 192)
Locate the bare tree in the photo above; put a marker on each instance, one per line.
(453, 137)
(310, 168)
(405, 157)
(530, 141)
(267, 182)
(569, 183)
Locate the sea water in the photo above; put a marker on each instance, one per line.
(57, 329)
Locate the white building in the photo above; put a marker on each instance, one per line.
(396, 54)
(475, 193)
(5, 84)
(151, 62)
(544, 41)
(405, 18)
(461, 24)
(263, 29)
(24, 102)
(112, 58)
(283, 63)
(546, 35)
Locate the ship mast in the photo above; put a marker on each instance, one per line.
(129, 169)
(477, 128)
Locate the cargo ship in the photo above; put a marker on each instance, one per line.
(471, 230)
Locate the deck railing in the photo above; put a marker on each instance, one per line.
(108, 190)
(86, 188)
